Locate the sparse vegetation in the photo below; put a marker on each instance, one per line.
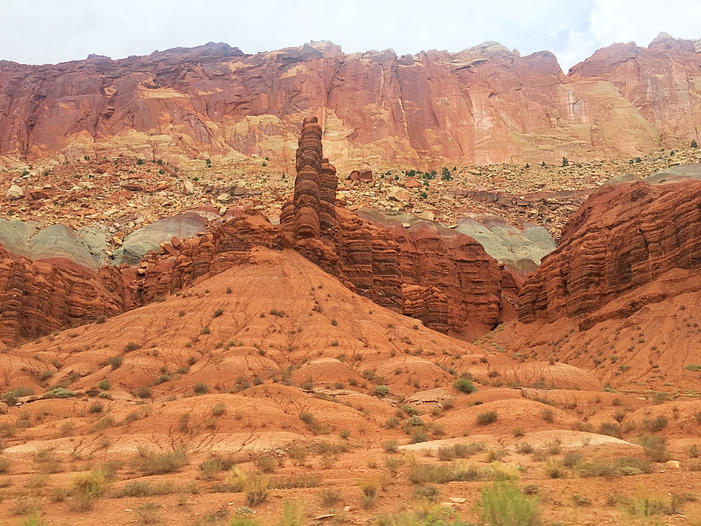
(464, 385)
(503, 504)
(488, 417)
(154, 463)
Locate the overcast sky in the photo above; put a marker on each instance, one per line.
(48, 31)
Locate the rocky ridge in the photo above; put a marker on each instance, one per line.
(486, 104)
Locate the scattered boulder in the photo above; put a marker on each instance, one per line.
(361, 175)
(14, 192)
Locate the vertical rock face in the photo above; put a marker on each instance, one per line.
(328, 182)
(484, 104)
(624, 236)
(661, 80)
(453, 269)
(307, 194)
(39, 297)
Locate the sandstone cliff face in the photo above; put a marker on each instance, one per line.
(484, 104)
(623, 237)
(40, 297)
(662, 81)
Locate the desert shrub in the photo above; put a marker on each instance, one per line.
(426, 492)
(95, 407)
(26, 505)
(59, 392)
(219, 410)
(645, 505)
(391, 446)
(460, 450)
(393, 464)
(656, 424)
(524, 448)
(200, 388)
(266, 464)
(442, 473)
(432, 516)
(610, 428)
(143, 392)
(148, 513)
(464, 385)
(655, 448)
(298, 454)
(623, 466)
(381, 390)
(102, 424)
(488, 417)
(418, 436)
(256, 489)
(305, 480)
(10, 397)
(47, 461)
(548, 415)
(570, 460)
(88, 487)
(504, 471)
(142, 488)
(131, 346)
(632, 466)
(104, 384)
(580, 500)
(115, 362)
(494, 455)
(330, 448)
(503, 504)
(311, 422)
(554, 469)
(153, 463)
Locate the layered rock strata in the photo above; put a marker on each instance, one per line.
(623, 237)
(483, 104)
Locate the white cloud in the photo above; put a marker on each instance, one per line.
(41, 31)
(642, 20)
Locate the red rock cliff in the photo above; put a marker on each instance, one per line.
(624, 236)
(484, 104)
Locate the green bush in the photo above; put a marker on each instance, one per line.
(464, 385)
(503, 504)
(104, 385)
(59, 392)
(381, 390)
